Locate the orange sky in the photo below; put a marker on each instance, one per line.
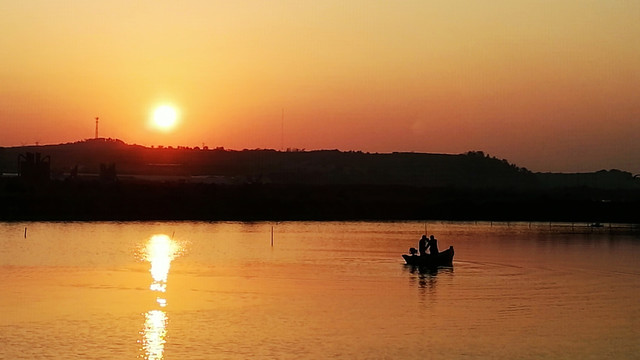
(548, 85)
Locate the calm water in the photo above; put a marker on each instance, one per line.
(191, 290)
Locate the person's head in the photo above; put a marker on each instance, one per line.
(424, 237)
(432, 237)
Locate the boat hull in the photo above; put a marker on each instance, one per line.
(444, 258)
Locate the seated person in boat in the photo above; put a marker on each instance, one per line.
(432, 245)
(422, 245)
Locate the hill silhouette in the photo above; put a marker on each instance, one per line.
(210, 184)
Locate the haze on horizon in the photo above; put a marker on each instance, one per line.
(547, 85)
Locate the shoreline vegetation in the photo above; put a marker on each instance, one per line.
(125, 201)
(104, 179)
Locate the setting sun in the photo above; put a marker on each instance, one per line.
(164, 117)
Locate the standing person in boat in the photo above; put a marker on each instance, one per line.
(432, 245)
(422, 245)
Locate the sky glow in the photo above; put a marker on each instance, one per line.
(547, 85)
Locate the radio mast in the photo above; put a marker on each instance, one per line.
(97, 127)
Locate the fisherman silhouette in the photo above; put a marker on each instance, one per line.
(422, 245)
(432, 245)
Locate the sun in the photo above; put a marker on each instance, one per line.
(164, 117)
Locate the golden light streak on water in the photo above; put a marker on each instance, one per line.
(160, 250)
(155, 331)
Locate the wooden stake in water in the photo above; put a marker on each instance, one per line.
(272, 236)
(25, 232)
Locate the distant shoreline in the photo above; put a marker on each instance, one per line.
(108, 180)
(147, 200)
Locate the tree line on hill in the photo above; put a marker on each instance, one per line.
(295, 185)
(473, 169)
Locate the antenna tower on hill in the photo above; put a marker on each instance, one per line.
(97, 127)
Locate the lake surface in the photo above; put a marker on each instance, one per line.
(339, 290)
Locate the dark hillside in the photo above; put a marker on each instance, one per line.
(603, 179)
(471, 170)
(183, 183)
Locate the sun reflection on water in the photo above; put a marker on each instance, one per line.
(160, 250)
(155, 330)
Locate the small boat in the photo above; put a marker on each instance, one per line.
(444, 258)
